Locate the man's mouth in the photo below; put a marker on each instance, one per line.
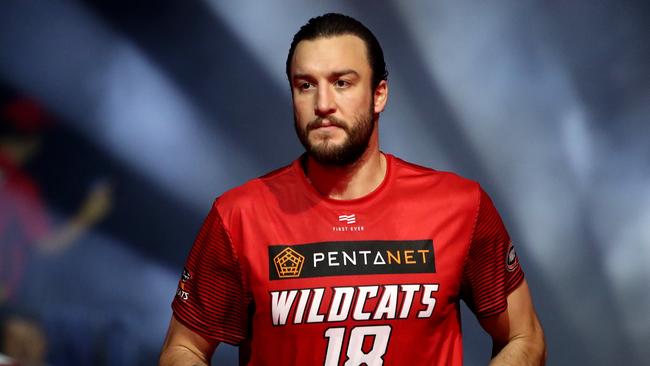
(325, 123)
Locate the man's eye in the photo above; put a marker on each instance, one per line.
(341, 84)
(304, 86)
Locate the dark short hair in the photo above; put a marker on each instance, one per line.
(333, 24)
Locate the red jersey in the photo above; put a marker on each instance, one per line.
(23, 221)
(295, 278)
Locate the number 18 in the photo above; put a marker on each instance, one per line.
(355, 354)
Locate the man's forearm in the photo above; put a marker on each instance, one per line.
(179, 356)
(521, 352)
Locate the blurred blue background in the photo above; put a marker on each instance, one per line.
(164, 105)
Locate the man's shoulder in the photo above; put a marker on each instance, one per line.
(427, 176)
(257, 189)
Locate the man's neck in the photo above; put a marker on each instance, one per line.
(349, 182)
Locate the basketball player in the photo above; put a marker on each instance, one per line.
(349, 255)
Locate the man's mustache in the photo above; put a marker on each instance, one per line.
(333, 121)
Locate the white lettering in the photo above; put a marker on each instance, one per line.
(379, 259)
(409, 291)
(341, 303)
(331, 259)
(302, 303)
(365, 292)
(429, 300)
(374, 357)
(387, 304)
(183, 295)
(338, 304)
(346, 258)
(313, 316)
(365, 255)
(334, 344)
(281, 302)
(318, 257)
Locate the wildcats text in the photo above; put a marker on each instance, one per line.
(375, 302)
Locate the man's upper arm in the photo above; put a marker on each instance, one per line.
(183, 345)
(518, 322)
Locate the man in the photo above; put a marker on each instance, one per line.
(349, 256)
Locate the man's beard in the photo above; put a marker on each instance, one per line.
(356, 143)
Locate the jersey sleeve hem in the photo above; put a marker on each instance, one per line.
(218, 336)
(486, 313)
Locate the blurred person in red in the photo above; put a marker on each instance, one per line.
(24, 222)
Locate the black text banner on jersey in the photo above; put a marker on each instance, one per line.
(341, 258)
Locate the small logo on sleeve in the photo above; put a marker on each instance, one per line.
(511, 260)
(182, 291)
(186, 275)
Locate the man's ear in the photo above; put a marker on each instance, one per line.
(380, 96)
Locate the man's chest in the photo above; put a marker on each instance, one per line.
(352, 265)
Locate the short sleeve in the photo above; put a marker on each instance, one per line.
(492, 270)
(211, 297)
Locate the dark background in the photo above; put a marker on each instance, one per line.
(546, 103)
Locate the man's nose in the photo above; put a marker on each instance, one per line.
(325, 104)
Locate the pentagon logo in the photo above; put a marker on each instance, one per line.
(288, 263)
